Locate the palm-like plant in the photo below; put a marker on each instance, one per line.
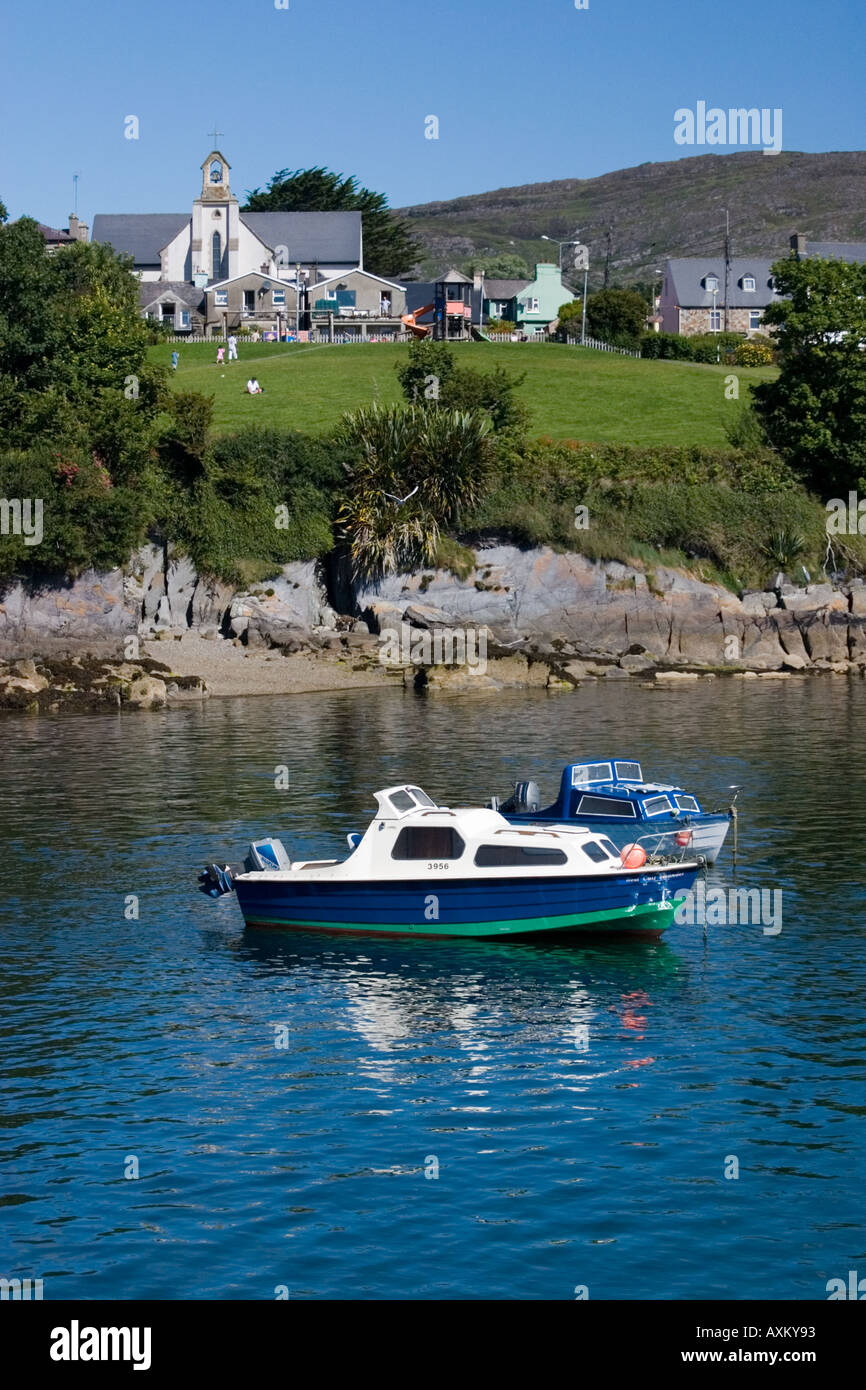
(412, 471)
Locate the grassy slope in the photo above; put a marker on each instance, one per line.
(571, 392)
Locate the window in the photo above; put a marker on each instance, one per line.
(656, 806)
(402, 801)
(221, 297)
(610, 847)
(167, 310)
(530, 306)
(427, 842)
(629, 772)
(715, 320)
(605, 806)
(453, 292)
(216, 256)
(754, 318)
(516, 856)
(594, 852)
(711, 283)
(279, 297)
(216, 172)
(421, 797)
(249, 301)
(749, 283)
(687, 803)
(591, 772)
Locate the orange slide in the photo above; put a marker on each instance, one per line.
(411, 321)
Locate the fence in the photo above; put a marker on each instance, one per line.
(603, 347)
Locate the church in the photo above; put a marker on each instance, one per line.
(216, 268)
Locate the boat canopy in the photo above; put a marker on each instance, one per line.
(614, 789)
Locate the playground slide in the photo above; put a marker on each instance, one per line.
(411, 321)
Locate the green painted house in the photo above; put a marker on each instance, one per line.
(531, 304)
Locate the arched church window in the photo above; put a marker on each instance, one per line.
(217, 255)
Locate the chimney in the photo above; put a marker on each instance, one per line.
(77, 229)
(798, 244)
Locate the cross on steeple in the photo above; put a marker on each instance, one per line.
(215, 135)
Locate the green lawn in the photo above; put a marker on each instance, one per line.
(573, 393)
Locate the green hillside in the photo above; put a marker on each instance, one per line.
(654, 211)
(571, 392)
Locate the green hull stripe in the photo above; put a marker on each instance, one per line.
(654, 917)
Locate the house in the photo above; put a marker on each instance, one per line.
(533, 305)
(706, 294)
(852, 251)
(215, 244)
(355, 305)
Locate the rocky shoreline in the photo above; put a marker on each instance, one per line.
(160, 635)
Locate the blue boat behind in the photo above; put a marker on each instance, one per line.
(611, 796)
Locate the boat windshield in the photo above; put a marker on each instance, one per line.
(628, 772)
(421, 797)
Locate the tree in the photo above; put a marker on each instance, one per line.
(4, 215)
(570, 318)
(431, 379)
(389, 246)
(814, 413)
(615, 316)
(504, 266)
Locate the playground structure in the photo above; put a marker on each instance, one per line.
(419, 330)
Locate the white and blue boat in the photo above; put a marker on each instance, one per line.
(612, 798)
(426, 870)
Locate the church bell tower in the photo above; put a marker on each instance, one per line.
(215, 222)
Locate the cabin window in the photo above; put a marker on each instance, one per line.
(687, 803)
(628, 772)
(591, 772)
(421, 797)
(610, 806)
(428, 842)
(402, 801)
(512, 856)
(656, 806)
(610, 847)
(594, 852)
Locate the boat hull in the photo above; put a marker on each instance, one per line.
(641, 903)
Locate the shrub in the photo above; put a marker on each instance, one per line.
(755, 352)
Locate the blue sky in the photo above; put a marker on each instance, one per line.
(524, 90)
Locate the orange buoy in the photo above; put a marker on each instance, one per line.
(633, 857)
(683, 838)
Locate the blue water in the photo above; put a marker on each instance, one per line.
(151, 1042)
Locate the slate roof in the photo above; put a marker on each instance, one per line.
(853, 251)
(151, 291)
(687, 272)
(141, 235)
(310, 236)
(54, 234)
(504, 289)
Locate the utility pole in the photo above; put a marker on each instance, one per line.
(607, 255)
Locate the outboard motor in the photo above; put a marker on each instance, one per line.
(216, 879)
(267, 854)
(526, 798)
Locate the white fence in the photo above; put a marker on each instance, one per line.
(602, 347)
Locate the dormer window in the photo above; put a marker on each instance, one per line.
(711, 283)
(748, 283)
(216, 172)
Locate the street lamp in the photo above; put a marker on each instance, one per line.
(560, 244)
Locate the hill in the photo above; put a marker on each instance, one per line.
(654, 211)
